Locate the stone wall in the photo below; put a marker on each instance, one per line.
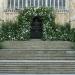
(62, 16)
(72, 13)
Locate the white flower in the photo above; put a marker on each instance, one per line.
(21, 37)
(26, 30)
(13, 38)
(9, 36)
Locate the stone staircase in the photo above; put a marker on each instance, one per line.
(48, 54)
(37, 60)
(37, 67)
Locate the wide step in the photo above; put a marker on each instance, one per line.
(23, 54)
(35, 67)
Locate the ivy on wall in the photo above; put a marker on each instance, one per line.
(26, 16)
(20, 30)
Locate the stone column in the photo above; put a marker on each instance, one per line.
(1, 10)
(67, 4)
(5, 4)
(1, 5)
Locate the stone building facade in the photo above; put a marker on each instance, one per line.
(64, 9)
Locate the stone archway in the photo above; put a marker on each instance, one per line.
(28, 14)
(36, 28)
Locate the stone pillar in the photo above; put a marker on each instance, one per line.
(5, 3)
(1, 10)
(1, 5)
(67, 4)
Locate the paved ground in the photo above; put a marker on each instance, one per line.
(38, 44)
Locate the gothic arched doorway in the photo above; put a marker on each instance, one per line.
(36, 27)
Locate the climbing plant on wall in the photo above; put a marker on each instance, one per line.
(26, 16)
(20, 30)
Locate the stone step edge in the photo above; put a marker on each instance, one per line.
(36, 61)
(36, 74)
(41, 49)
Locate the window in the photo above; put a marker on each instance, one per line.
(20, 3)
(32, 3)
(48, 3)
(28, 2)
(8, 4)
(60, 4)
(40, 2)
(44, 3)
(14, 4)
(63, 4)
(52, 3)
(24, 3)
(56, 3)
(36, 3)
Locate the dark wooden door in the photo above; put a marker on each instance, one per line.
(36, 29)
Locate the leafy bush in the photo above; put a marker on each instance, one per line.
(1, 46)
(25, 18)
(20, 30)
(72, 34)
(9, 31)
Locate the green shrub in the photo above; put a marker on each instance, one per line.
(1, 46)
(26, 16)
(72, 34)
(20, 30)
(9, 30)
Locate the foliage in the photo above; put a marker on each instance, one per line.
(1, 46)
(20, 30)
(8, 31)
(72, 34)
(62, 32)
(25, 18)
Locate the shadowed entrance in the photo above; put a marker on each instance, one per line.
(36, 28)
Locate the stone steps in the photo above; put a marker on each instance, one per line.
(37, 57)
(50, 54)
(37, 44)
(51, 61)
(35, 67)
